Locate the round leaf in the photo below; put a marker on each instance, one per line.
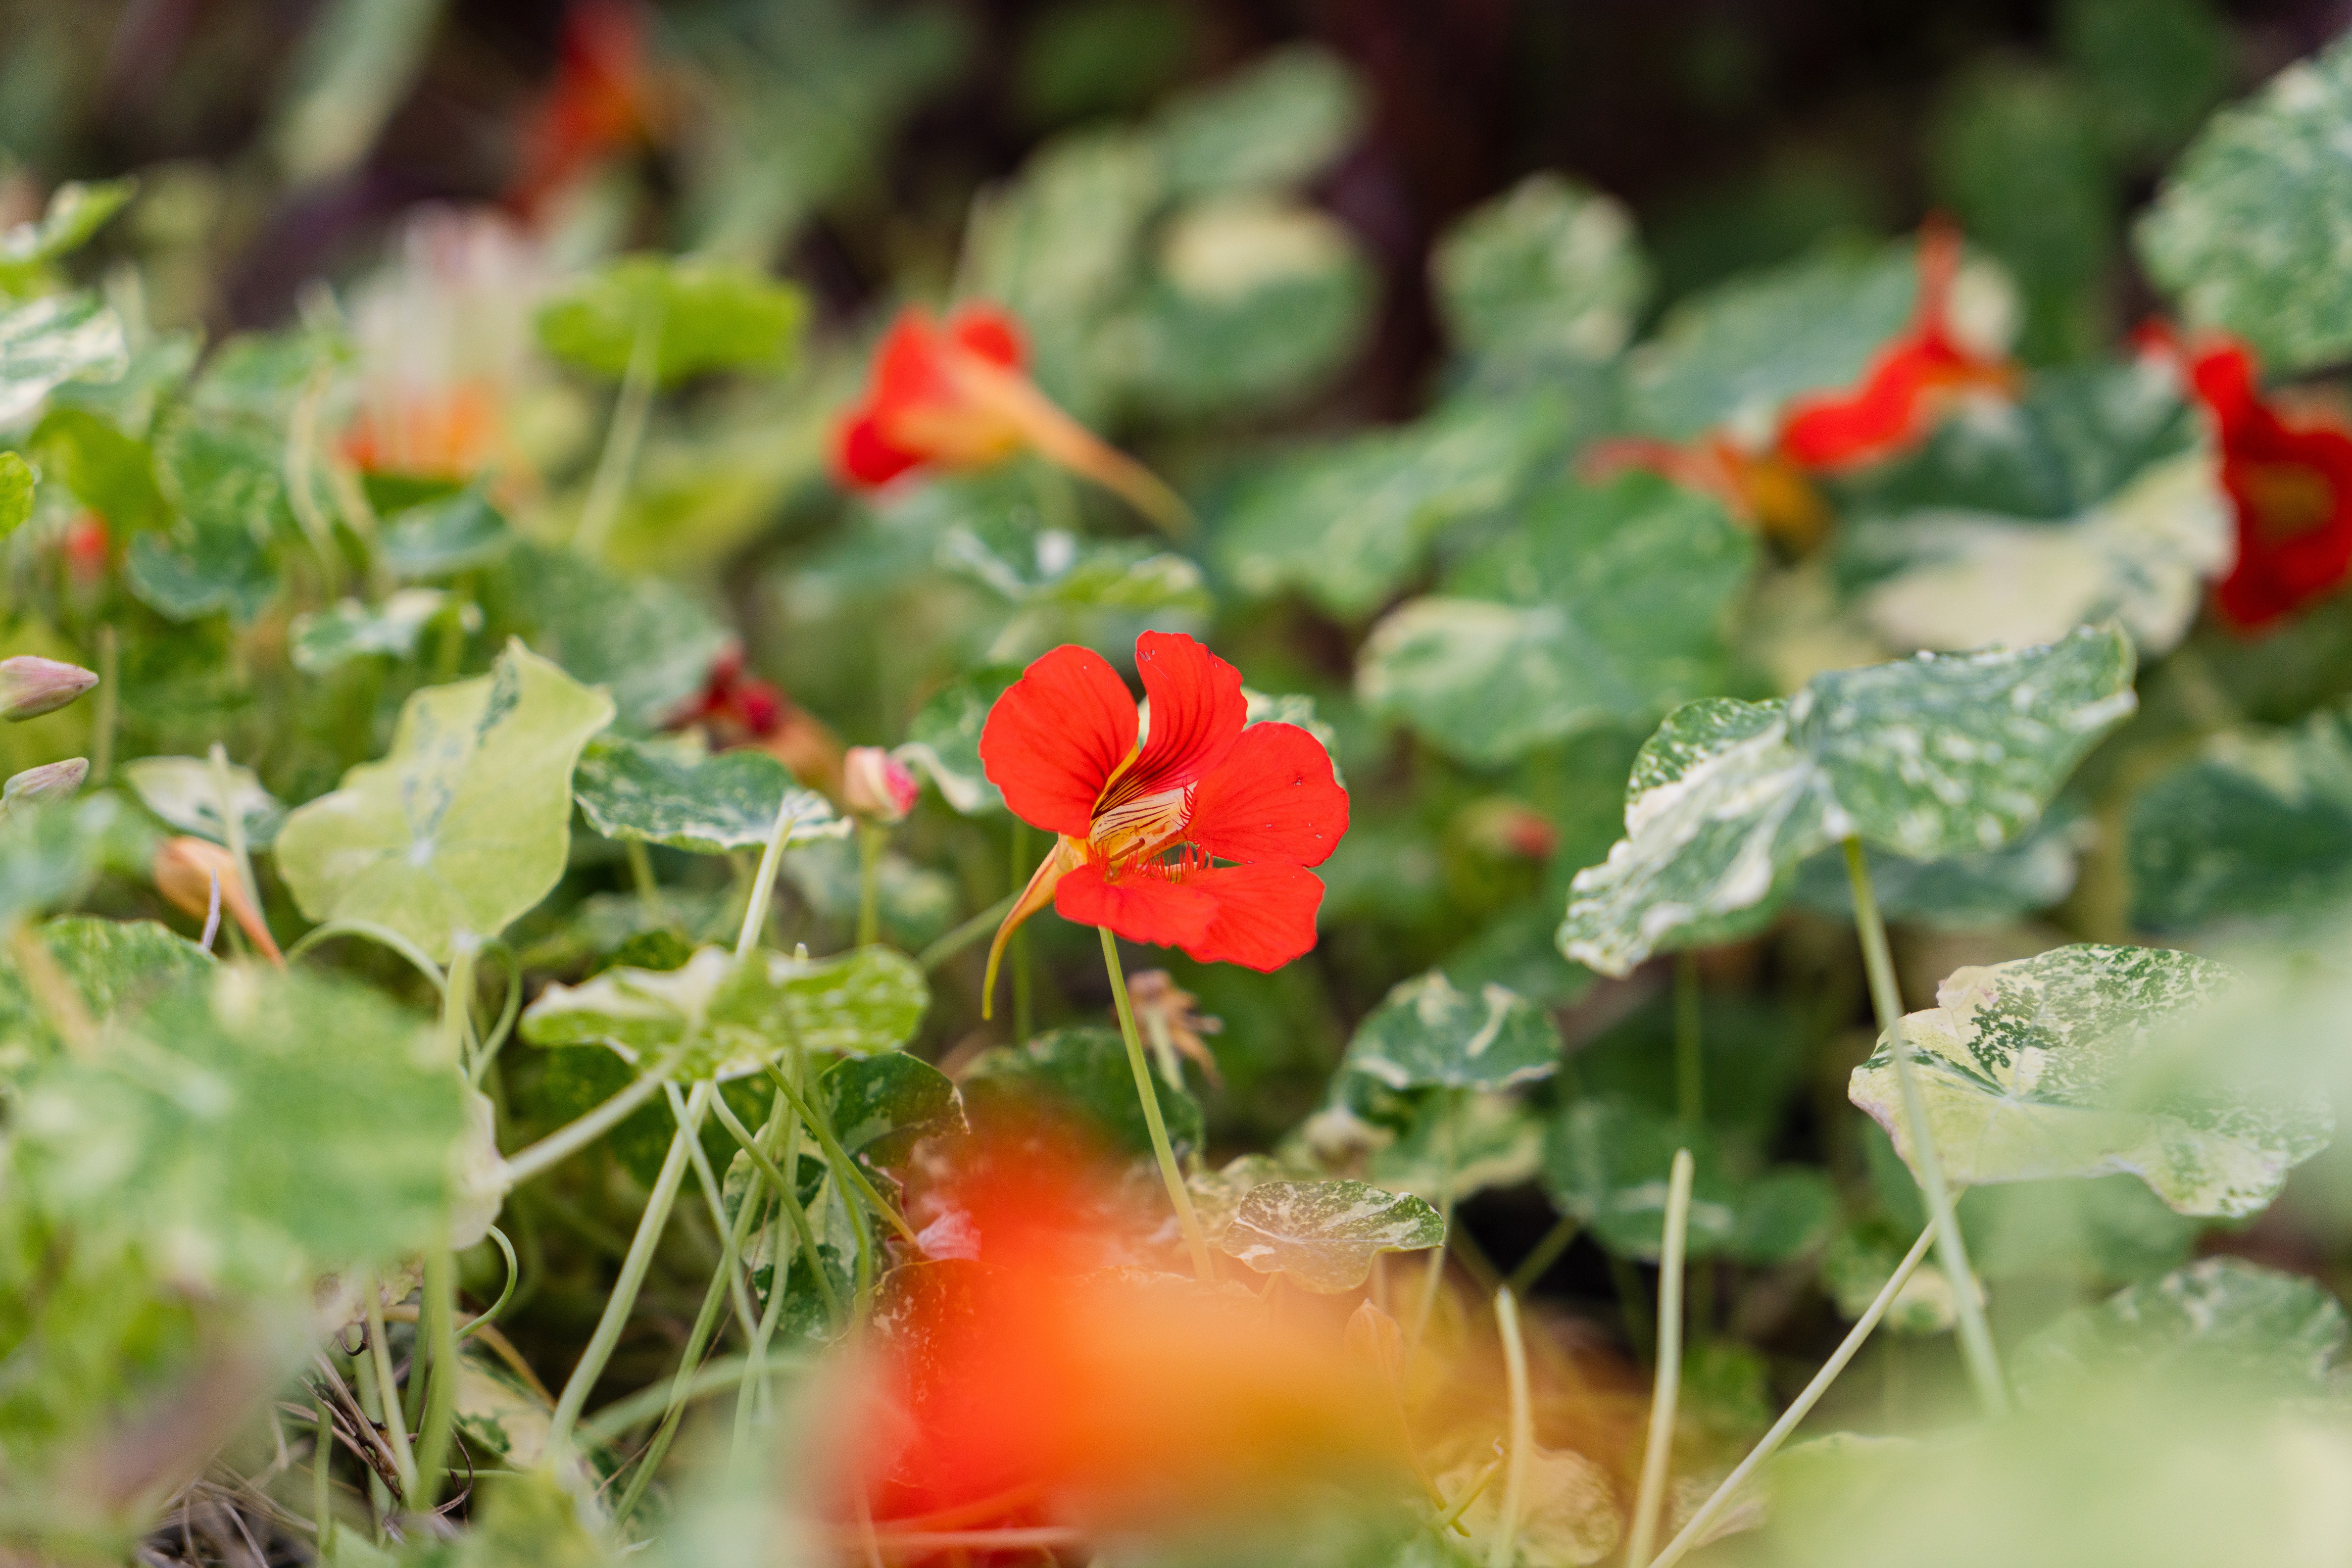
(705, 315)
(676, 794)
(1323, 1235)
(1427, 1033)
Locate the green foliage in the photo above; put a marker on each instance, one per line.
(465, 824)
(185, 794)
(698, 316)
(882, 1106)
(1080, 1074)
(112, 966)
(49, 341)
(2222, 1318)
(75, 210)
(1606, 1162)
(674, 793)
(1426, 1033)
(1324, 1236)
(943, 738)
(18, 479)
(1548, 270)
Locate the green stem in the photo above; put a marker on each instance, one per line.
(1162, 1149)
(1696, 1529)
(573, 1136)
(403, 1461)
(483, 1320)
(1499, 1553)
(715, 1376)
(622, 438)
(789, 1202)
(440, 1330)
(110, 704)
(966, 934)
(633, 1277)
(1690, 1082)
(716, 1199)
(1451, 1518)
(1023, 988)
(871, 842)
(763, 888)
(838, 1158)
(1951, 1249)
(372, 1407)
(323, 1487)
(232, 826)
(1435, 1274)
(1666, 1394)
(1546, 1253)
(641, 873)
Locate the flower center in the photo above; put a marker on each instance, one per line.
(1127, 829)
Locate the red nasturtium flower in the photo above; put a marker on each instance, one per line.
(951, 395)
(603, 98)
(2290, 480)
(1139, 829)
(735, 708)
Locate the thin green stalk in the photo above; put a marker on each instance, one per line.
(322, 1477)
(403, 1460)
(771, 860)
(233, 826)
(1452, 1518)
(789, 1203)
(966, 934)
(483, 1320)
(110, 704)
(1162, 1149)
(1690, 1081)
(1667, 1395)
(372, 1407)
(1545, 1254)
(1951, 1247)
(1434, 1275)
(573, 1136)
(712, 1195)
(641, 874)
(633, 1277)
(1023, 989)
(716, 1376)
(1499, 1553)
(1708, 1511)
(440, 1330)
(838, 1158)
(871, 842)
(622, 437)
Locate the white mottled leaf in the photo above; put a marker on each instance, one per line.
(1550, 268)
(2046, 1066)
(185, 793)
(1324, 1235)
(1427, 1033)
(47, 342)
(318, 640)
(2228, 1318)
(677, 794)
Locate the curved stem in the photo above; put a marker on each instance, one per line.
(1658, 1454)
(964, 935)
(771, 857)
(573, 1136)
(1951, 1249)
(1164, 1152)
(1499, 1553)
(483, 1320)
(789, 1202)
(404, 1462)
(1708, 1511)
(622, 437)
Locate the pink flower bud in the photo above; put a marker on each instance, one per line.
(41, 785)
(876, 785)
(30, 687)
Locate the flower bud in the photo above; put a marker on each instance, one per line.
(186, 870)
(878, 786)
(30, 687)
(41, 785)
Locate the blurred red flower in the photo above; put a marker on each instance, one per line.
(602, 99)
(1062, 745)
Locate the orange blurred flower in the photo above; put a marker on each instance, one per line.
(602, 99)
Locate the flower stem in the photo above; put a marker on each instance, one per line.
(1547, 1252)
(1162, 1149)
(1657, 1457)
(870, 841)
(634, 1268)
(404, 1462)
(964, 935)
(441, 1394)
(641, 874)
(1499, 1553)
(771, 859)
(1695, 1531)
(322, 1484)
(842, 1165)
(1951, 1249)
(573, 1136)
(622, 437)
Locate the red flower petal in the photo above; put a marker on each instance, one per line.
(1053, 738)
(1264, 914)
(1197, 714)
(1272, 798)
(1143, 907)
(863, 457)
(988, 333)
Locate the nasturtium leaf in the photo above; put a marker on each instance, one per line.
(453, 534)
(1345, 524)
(320, 640)
(705, 315)
(75, 212)
(2236, 1322)
(1607, 1161)
(1458, 1144)
(185, 793)
(642, 639)
(1276, 121)
(882, 1106)
(1080, 1074)
(1859, 1261)
(1736, 353)
(199, 569)
(2249, 231)
(804, 1315)
(50, 855)
(47, 342)
(1958, 892)
(676, 793)
(858, 1004)
(2257, 826)
(917, 902)
(259, 1128)
(17, 479)
(108, 472)
(500, 1416)
(707, 1018)
(1216, 1194)
(1549, 269)
(113, 966)
(943, 738)
(1605, 607)
(2093, 498)
(2050, 1066)
(1929, 757)
(1323, 1235)
(465, 824)
(1427, 1033)
(1074, 586)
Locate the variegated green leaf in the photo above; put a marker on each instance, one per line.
(676, 794)
(1607, 1162)
(2231, 1321)
(882, 1106)
(465, 824)
(1606, 607)
(1216, 1194)
(1548, 270)
(1929, 757)
(943, 738)
(113, 966)
(2253, 231)
(1278, 121)
(185, 793)
(699, 316)
(318, 640)
(858, 1003)
(75, 210)
(710, 1018)
(2046, 1066)
(1428, 1034)
(1081, 1074)
(1323, 1235)
(47, 342)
